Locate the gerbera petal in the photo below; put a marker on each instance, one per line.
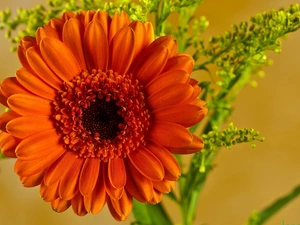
(78, 205)
(95, 201)
(195, 146)
(172, 95)
(41, 69)
(3, 99)
(24, 126)
(169, 42)
(122, 50)
(113, 192)
(72, 36)
(49, 193)
(118, 22)
(57, 169)
(144, 35)
(117, 172)
(157, 197)
(147, 164)
(40, 145)
(59, 58)
(8, 144)
(167, 79)
(25, 44)
(95, 46)
(68, 185)
(180, 61)
(10, 86)
(171, 166)
(57, 24)
(34, 84)
(34, 180)
(170, 134)
(60, 205)
(185, 115)
(28, 105)
(150, 64)
(104, 19)
(121, 208)
(89, 175)
(46, 31)
(5, 118)
(139, 186)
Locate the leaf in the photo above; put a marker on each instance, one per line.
(259, 218)
(146, 214)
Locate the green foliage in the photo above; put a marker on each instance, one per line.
(259, 218)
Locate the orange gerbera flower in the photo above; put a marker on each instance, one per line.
(96, 112)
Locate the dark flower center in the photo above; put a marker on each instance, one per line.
(101, 114)
(102, 117)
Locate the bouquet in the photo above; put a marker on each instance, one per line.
(127, 104)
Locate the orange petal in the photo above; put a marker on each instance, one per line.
(78, 205)
(40, 145)
(49, 193)
(150, 64)
(122, 49)
(87, 17)
(3, 99)
(140, 187)
(35, 84)
(171, 95)
(68, 185)
(89, 175)
(28, 105)
(147, 164)
(180, 61)
(25, 43)
(57, 24)
(41, 69)
(195, 146)
(104, 19)
(169, 42)
(8, 145)
(167, 79)
(144, 35)
(95, 201)
(34, 180)
(170, 134)
(72, 37)
(46, 31)
(59, 58)
(5, 118)
(186, 115)
(25, 126)
(117, 172)
(163, 186)
(157, 197)
(113, 192)
(171, 166)
(58, 168)
(120, 209)
(95, 46)
(10, 86)
(60, 205)
(118, 22)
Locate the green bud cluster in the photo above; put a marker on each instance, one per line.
(229, 137)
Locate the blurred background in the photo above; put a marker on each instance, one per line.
(245, 179)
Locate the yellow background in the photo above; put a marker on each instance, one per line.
(244, 178)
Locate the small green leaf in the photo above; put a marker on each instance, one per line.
(259, 218)
(146, 214)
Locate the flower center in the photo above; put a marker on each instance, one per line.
(102, 117)
(101, 114)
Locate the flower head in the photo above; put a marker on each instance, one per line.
(96, 112)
